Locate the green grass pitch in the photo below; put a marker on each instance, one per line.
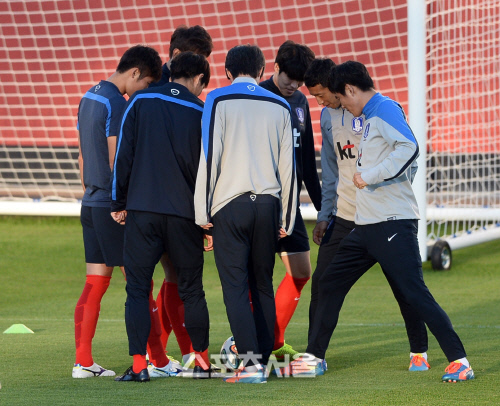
(42, 273)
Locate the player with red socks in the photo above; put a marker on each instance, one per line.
(291, 63)
(99, 118)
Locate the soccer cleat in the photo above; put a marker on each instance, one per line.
(305, 366)
(457, 372)
(173, 368)
(89, 372)
(200, 373)
(244, 376)
(286, 349)
(130, 376)
(418, 363)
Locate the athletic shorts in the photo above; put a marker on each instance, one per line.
(298, 241)
(102, 236)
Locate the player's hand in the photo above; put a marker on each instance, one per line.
(207, 226)
(282, 233)
(210, 243)
(119, 216)
(358, 181)
(319, 231)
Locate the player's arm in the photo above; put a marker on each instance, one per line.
(310, 171)
(80, 162)
(123, 159)
(209, 161)
(392, 125)
(111, 150)
(288, 178)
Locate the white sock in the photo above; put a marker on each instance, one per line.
(463, 361)
(423, 354)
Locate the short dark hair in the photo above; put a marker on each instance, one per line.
(294, 59)
(144, 58)
(350, 73)
(318, 72)
(195, 39)
(245, 60)
(188, 65)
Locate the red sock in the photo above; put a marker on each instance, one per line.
(201, 359)
(175, 310)
(287, 299)
(155, 348)
(86, 315)
(166, 326)
(139, 363)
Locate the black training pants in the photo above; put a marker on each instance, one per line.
(245, 237)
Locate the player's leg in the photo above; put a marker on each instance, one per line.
(142, 251)
(102, 236)
(232, 231)
(415, 329)
(294, 251)
(173, 308)
(261, 266)
(349, 264)
(184, 246)
(337, 230)
(395, 245)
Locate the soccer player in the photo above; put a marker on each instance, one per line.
(341, 133)
(152, 193)
(170, 307)
(386, 218)
(290, 65)
(246, 171)
(99, 118)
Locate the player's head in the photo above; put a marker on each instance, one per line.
(142, 66)
(245, 60)
(290, 65)
(195, 39)
(317, 79)
(352, 85)
(193, 68)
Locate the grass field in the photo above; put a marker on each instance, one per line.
(42, 273)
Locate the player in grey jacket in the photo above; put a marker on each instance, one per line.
(246, 188)
(386, 217)
(342, 133)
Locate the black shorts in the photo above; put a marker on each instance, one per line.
(102, 236)
(298, 241)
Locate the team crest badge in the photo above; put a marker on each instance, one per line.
(367, 129)
(175, 92)
(357, 124)
(251, 88)
(300, 114)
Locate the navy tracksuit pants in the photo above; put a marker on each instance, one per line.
(394, 245)
(147, 237)
(245, 236)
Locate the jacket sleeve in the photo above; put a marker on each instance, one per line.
(310, 171)
(398, 135)
(124, 158)
(288, 177)
(206, 179)
(329, 171)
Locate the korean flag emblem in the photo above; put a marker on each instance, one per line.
(357, 124)
(300, 114)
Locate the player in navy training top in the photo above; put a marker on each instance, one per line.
(195, 39)
(292, 61)
(153, 183)
(99, 119)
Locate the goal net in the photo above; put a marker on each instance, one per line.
(51, 52)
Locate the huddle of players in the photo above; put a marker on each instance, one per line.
(208, 174)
